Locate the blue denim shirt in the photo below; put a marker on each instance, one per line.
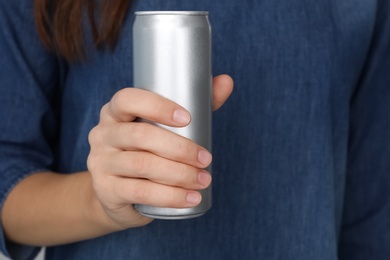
(301, 165)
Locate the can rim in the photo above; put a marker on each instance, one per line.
(199, 13)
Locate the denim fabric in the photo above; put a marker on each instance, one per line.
(28, 124)
(301, 166)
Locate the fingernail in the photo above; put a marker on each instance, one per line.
(181, 116)
(204, 178)
(204, 157)
(193, 198)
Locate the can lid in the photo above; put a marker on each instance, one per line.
(201, 13)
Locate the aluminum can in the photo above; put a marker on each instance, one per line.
(172, 57)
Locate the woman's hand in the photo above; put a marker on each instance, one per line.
(139, 163)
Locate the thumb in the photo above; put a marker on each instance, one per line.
(222, 88)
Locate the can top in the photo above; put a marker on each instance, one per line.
(199, 13)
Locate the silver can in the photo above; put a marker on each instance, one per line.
(172, 57)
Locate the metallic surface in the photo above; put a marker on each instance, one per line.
(172, 57)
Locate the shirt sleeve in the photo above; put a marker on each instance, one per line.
(365, 232)
(29, 85)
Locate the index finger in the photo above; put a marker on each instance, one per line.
(129, 103)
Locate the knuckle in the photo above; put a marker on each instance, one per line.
(95, 136)
(101, 184)
(91, 166)
(101, 187)
(139, 164)
(184, 176)
(139, 193)
(174, 197)
(142, 129)
(158, 106)
(122, 129)
(121, 95)
(104, 110)
(139, 132)
(184, 146)
(120, 98)
(94, 162)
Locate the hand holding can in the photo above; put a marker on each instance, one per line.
(139, 163)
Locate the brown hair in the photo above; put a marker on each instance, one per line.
(60, 24)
